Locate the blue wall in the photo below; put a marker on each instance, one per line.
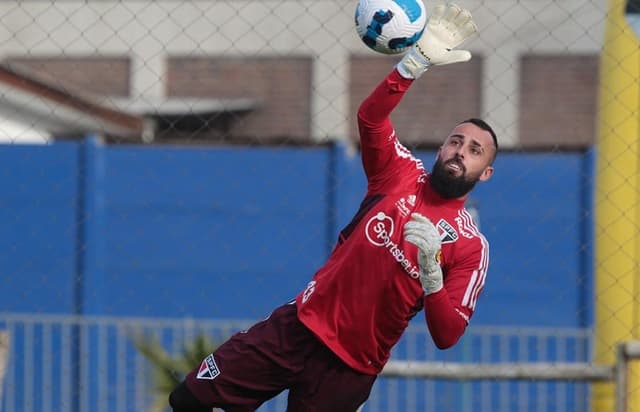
(232, 232)
(38, 221)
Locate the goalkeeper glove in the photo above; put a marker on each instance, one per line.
(422, 233)
(448, 27)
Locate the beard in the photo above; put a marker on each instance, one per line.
(446, 184)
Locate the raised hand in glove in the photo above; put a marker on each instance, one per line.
(422, 233)
(448, 27)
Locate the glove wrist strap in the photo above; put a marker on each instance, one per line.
(413, 64)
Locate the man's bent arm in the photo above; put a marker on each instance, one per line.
(449, 310)
(446, 322)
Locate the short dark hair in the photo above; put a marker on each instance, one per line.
(484, 126)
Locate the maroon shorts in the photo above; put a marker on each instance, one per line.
(278, 353)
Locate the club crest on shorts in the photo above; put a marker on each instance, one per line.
(208, 369)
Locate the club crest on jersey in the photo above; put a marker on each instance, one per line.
(208, 369)
(447, 233)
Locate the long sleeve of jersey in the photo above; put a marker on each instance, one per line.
(374, 123)
(448, 311)
(445, 322)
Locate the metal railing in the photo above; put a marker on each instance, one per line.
(72, 363)
(541, 371)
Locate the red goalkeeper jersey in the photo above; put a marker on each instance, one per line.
(362, 299)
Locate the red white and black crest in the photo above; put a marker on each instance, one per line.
(208, 369)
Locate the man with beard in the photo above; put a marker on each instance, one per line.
(411, 246)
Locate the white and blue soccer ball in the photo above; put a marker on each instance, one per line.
(390, 26)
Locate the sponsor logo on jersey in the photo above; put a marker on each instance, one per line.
(447, 232)
(411, 200)
(208, 369)
(461, 225)
(378, 231)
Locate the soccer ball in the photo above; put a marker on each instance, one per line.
(390, 26)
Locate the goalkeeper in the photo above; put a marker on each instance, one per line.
(411, 246)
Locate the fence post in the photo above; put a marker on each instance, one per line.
(626, 351)
(90, 255)
(4, 358)
(621, 378)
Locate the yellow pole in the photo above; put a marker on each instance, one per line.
(617, 203)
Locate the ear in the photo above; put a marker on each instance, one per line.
(486, 174)
(438, 152)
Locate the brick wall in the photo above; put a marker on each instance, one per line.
(281, 85)
(100, 75)
(558, 101)
(433, 105)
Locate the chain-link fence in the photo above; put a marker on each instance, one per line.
(300, 63)
(197, 159)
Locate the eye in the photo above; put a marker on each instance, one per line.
(476, 150)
